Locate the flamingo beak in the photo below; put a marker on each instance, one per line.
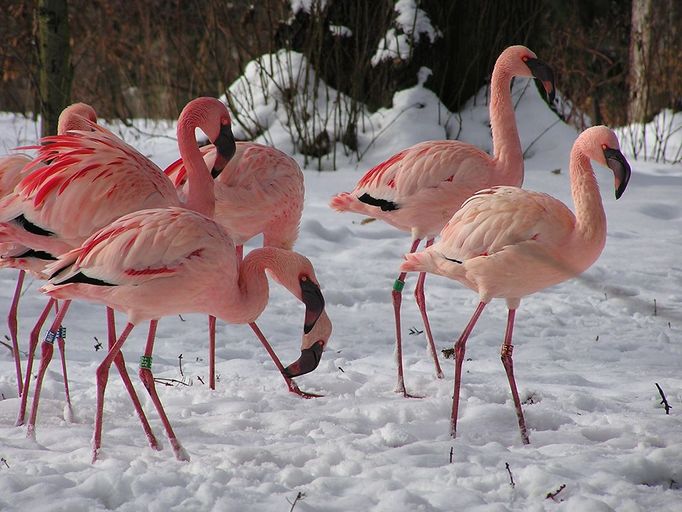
(310, 358)
(544, 73)
(314, 306)
(620, 167)
(225, 149)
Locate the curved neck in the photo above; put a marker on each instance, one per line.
(200, 194)
(506, 142)
(253, 283)
(589, 210)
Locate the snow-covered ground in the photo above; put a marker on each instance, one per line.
(588, 354)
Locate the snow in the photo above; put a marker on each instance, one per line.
(587, 353)
(410, 23)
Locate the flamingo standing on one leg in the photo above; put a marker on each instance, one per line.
(508, 243)
(12, 171)
(261, 190)
(86, 179)
(160, 262)
(419, 188)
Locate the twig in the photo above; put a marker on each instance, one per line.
(169, 382)
(448, 353)
(452, 453)
(299, 497)
(200, 380)
(98, 345)
(511, 478)
(181, 319)
(655, 308)
(414, 331)
(552, 495)
(664, 401)
(8, 346)
(4, 461)
(180, 363)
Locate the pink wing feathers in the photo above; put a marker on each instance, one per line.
(499, 217)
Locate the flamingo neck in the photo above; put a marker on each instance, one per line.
(589, 210)
(506, 142)
(253, 282)
(200, 194)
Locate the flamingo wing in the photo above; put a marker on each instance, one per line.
(143, 246)
(424, 166)
(496, 218)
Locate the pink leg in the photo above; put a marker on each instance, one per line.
(45, 358)
(102, 378)
(61, 343)
(421, 302)
(397, 301)
(506, 353)
(211, 352)
(13, 329)
(459, 358)
(33, 344)
(123, 372)
(148, 381)
(290, 383)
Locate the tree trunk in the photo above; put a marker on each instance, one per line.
(54, 62)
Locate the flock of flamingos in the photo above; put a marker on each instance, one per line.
(102, 223)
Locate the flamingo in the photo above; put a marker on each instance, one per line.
(83, 180)
(418, 189)
(508, 243)
(12, 171)
(261, 190)
(160, 262)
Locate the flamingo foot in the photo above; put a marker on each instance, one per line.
(179, 451)
(293, 388)
(31, 432)
(400, 388)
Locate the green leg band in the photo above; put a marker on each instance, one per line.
(146, 362)
(398, 285)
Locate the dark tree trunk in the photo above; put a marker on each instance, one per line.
(54, 59)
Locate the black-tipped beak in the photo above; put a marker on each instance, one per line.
(310, 358)
(314, 303)
(620, 167)
(544, 73)
(225, 149)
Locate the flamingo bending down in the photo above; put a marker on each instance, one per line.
(160, 262)
(419, 188)
(261, 190)
(508, 243)
(12, 171)
(83, 180)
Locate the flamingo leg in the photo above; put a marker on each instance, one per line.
(47, 349)
(421, 302)
(102, 378)
(12, 324)
(293, 387)
(397, 295)
(61, 344)
(506, 355)
(123, 372)
(33, 344)
(460, 348)
(211, 331)
(211, 351)
(147, 379)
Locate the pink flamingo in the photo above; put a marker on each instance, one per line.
(419, 188)
(261, 190)
(84, 180)
(160, 262)
(12, 171)
(508, 243)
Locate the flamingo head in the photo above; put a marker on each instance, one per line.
(524, 62)
(77, 116)
(601, 145)
(212, 116)
(317, 327)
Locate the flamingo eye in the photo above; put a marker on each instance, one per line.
(525, 58)
(604, 146)
(303, 278)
